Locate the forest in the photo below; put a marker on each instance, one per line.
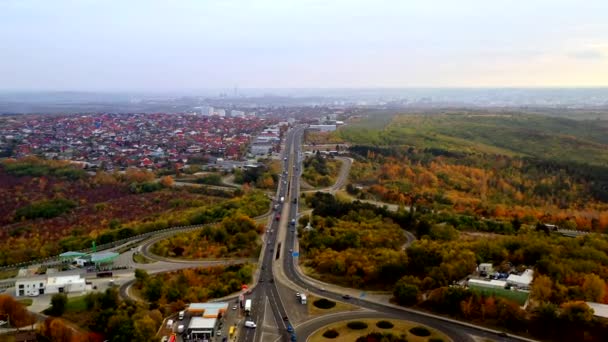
(236, 236)
(172, 290)
(320, 170)
(352, 243)
(346, 246)
(45, 211)
(567, 193)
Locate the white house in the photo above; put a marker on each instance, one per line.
(32, 286)
(491, 284)
(486, 267)
(44, 284)
(521, 281)
(66, 283)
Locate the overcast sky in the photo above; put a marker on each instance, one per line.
(187, 45)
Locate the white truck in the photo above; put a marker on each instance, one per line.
(303, 298)
(248, 306)
(250, 324)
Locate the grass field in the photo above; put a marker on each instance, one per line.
(400, 328)
(520, 297)
(315, 311)
(76, 304)
(26, 301)
(141, 259)
(584, 141)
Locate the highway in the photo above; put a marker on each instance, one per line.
(266, 288)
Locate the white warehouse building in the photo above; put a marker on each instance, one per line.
(49, 284)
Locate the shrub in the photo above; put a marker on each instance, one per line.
(420, 331)
(384, 324)
(436, 339)
(331, 333)
(45, 209)
(357, 325)
(380, 337)
(324, 303)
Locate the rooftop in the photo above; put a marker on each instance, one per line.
(599, 310)
(202, 323)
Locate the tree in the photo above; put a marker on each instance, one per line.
(405, 294)
(167, 181)
(593, 288)
(542, 288)
(141, 276)
(145, 329)
(58, 303)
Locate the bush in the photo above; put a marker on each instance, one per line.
(357, 325)
(380, 337)
(331, 333)
(384, 324)
(45, 209)
(436, 339)
(420, 331)
(324, 303)
(58, 304)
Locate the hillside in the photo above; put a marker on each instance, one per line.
(562, 139)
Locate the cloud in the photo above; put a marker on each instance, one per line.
(588, 54)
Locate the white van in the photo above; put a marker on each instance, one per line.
(250, 324)
(181, 315)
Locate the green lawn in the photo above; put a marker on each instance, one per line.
(26, 301)
(519, 297)
(400, 328)
(76, 304)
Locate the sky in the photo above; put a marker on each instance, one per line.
(153, 45)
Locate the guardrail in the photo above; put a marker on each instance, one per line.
(120, 242)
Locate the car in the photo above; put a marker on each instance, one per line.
(261, 280)
(272, 280)
(290, 250)
(322, 289)
(503, 334)
(285, 318)
(298, 294)
(234, 307)
(219, 333)
(289, 328)
(346, 296)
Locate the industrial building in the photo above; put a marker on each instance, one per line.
(493, 284)
(204, 319)
(522, 281)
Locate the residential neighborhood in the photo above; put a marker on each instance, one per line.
(154, 141)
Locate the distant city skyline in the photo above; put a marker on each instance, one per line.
(185, 46)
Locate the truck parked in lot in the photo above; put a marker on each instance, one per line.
(248, 306)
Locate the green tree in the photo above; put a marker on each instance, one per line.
(58, 303)
(405, 293)
(145, 329)
(141, 276)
